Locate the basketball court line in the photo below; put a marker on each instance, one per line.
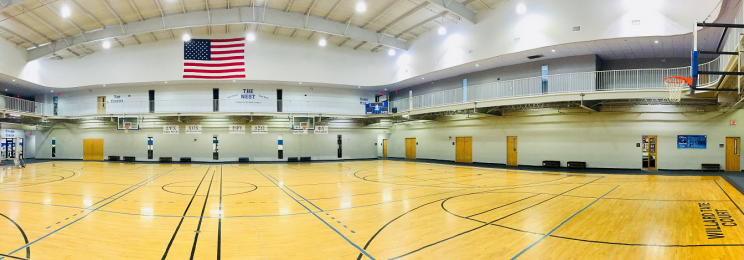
(175, 232)
(138, 185)
(318, 217)
(25, 238)
(201, 217)
(487, 224)
(561, 224)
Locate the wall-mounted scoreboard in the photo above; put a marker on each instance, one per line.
(376, 108)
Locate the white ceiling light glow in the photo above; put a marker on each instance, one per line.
(250, 37)
(66, 12)
(521, 9)
(322, 42)
(361, 7)
(442, 30)
(391, 52)
(106, 45)
(186, 37)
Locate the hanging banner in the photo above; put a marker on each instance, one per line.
(692, 141)
(237, 129)
(321, 130)
(259, 129)
(193, 129)
(170, 129)
(299, 132)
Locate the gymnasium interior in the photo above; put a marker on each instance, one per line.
(361, 129)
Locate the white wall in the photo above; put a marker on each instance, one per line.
(198, 98)
(358, 143)
(12, 58)
(277, 58)
(602, 140)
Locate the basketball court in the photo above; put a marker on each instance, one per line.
(369, 130)
(361, 210)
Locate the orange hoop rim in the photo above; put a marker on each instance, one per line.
(304, 128)
(677, 80)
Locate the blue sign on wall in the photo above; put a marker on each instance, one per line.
(692, 141)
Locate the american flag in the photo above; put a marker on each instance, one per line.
(214, 59)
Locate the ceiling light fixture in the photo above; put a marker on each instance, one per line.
(553, 50)
(106, 45)
(391, 52)
(361, 7)
(186, 37)
(422, 78)
(442, 30)
(656, 41)
(521, 9)
(250, 37)
(322, 42)
(477, 65)
(66, 12)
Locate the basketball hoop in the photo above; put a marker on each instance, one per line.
(304, 128)
(126, 129)
(675, 85)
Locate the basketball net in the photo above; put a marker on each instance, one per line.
(675, 85)
(126, 129)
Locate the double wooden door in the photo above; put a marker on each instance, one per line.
(733, 154)
(464, 149)
(410, 148)
(93, 149)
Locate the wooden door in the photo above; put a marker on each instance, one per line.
(511, 150)
(93, 149)
(464, 149)
(733, 154)
(410, 148)
(653, 146)
(102, 105)
(384, 148)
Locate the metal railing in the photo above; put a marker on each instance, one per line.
(21, 105)
(582, 82)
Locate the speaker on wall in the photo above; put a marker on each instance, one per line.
(395, 110)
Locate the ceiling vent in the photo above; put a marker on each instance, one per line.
(535, 56)
(636, 22)
(576, 28)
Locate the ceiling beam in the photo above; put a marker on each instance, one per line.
(18, 36)
(183, 6)
(338, 2)
(404, 16)
(27, 28)
(136, 10)
(486, 4)
(376, 48)
(456, 8)
(87, 13)
(8, 3)
(162, 14)
(235, 15)
(42, 21)
(45, 3)
(344, 42)
(421, 24)
(360, 45)
(381, 13)
(289, 4)
(113, 12)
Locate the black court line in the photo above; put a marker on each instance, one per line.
(727, 195)
(219, 225)
(14, 257)
(165, 254)
(465, 232)
(25, 238)
(201, 217)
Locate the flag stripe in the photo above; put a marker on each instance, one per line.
(229, 40)
(227, 46)
(207, 65)
(214, 71)
(227, 52)
(213, 77)
(227, 58)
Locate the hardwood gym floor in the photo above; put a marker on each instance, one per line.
(360, 210)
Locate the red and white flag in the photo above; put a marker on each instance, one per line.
(214, 59)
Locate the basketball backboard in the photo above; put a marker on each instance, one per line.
(128, 123)
(303, 123)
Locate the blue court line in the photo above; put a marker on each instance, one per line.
(303, 198)
(54, 205)
(146, 180)
(73, 222)
(316, 215)
(561, 224)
